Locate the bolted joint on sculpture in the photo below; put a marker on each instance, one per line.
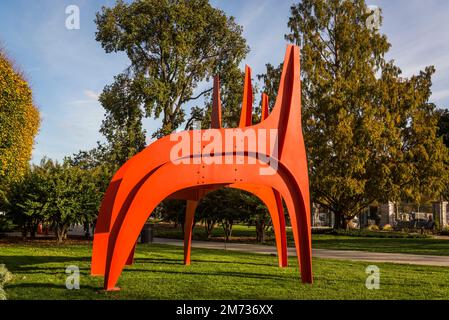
(237, 158)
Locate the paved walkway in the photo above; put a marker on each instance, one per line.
(401, 258)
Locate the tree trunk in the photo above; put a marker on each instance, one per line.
(337, 222)
(61, 233)
(227, 228)
(183, 229)
(87, 231)
(209, 227)
(345, 223)
(260, 231)
(32, 227)
(341, 221)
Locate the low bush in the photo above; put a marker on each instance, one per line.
(5, 276)
(322, 230)
(378, 234)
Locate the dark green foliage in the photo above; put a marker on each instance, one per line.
(443, 126)
(173, 211)
(59, 195)
(271, 79)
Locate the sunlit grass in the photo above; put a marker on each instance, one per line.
(158, 273)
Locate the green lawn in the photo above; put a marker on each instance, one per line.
(39, 273)
(247, 234)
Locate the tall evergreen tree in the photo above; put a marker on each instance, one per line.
(370, 133)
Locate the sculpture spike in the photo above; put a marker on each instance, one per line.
(247, 104)
(216, 105)
(265, 111)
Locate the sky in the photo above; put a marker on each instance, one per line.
(68, 69)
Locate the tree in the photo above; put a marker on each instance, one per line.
(443, 126)
(19, 124)
(209, 211)
(173, 46)
(256, 214)
(58, 194)
(271, 79)
(73, 195)
(122, 127)
(173, 211)
(26, 203)
(443, 132)
(370, 133)
(231, 92)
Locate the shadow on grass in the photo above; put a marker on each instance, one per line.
(48, 286)
(200, 261)
(18, 263)
(230, 273)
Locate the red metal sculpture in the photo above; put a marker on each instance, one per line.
(212, 159)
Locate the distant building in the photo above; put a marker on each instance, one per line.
(388, 214)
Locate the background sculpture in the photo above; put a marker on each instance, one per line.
(152, 176)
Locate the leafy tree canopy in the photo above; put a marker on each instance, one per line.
(173, 46)
(19, 124)
(370, 133)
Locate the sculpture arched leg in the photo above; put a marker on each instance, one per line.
(117, 193)
(130, 260)
(188, 226)
(280, 232)
(298, 211)
(104, 223)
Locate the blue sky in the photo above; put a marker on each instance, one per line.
(67, 69)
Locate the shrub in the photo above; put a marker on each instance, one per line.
(376, 234)
(6, 224)
(373, 227)
(387, 227)
(445, 231)
(328, 230)
(5, 276)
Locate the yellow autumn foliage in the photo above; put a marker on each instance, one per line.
(19, 124)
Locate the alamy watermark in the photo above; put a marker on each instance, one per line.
(373, 280)
(72, 281)
(373, 21)
(72, 21)
(249, 146)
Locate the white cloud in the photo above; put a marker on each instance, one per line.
(91, 95)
